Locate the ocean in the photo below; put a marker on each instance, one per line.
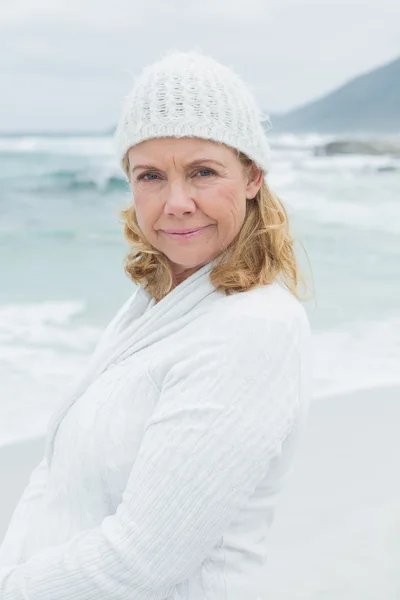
(62, 251)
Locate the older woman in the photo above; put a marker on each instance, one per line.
(162, 469)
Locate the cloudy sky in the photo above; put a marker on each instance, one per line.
(66, 64)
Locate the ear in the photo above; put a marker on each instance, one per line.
(255, 179)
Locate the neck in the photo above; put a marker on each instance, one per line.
(181, 275)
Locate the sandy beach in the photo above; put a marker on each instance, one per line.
(337, 527)
(336, 534)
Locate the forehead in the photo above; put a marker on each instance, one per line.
(185, 148)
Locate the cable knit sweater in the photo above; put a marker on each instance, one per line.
(162, 469)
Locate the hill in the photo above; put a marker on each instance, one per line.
(367, 104)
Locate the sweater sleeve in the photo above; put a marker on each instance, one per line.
(11, 547)
(222, 414)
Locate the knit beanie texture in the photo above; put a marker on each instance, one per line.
(191, 94)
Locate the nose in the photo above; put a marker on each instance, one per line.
(178, 200)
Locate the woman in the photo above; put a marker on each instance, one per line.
(161, 471)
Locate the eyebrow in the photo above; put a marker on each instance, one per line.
(198, 161)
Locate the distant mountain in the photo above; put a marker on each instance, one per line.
(368, 104)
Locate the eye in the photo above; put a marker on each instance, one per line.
(143, 175)
(209, 171)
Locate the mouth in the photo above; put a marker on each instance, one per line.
(184, 234)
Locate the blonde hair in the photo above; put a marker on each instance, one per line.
(261, 251)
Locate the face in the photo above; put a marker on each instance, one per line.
(190, 185)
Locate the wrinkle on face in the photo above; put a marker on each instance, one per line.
(176, 196)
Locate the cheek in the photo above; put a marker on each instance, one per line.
(145, 211)
(228, 204)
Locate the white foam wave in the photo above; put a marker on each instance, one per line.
(361, 163)
(42, 352)
(45, 346)
(344, 190)
(298, 141)
(100, 176)
(297, 158)
(364, 355)
(44, 324)
(76, 145)
(380, 216)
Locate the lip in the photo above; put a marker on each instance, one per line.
(182, 231)
(183, 234)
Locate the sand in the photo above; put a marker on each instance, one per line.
(336, 533)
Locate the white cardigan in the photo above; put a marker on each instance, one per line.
(162, 469)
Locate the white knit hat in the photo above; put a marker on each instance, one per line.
(191, 94)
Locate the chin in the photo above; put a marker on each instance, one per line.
(185, 262)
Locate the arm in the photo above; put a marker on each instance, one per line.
(11, 548)
(222, 414)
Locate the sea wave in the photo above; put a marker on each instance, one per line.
(45, 346)
(339, 197)
(67, 145)
(83, 180)
(54, 164)
(379, 216)
(364, 354)
(102, 179)
(45, 324)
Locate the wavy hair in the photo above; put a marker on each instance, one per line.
(262, 251)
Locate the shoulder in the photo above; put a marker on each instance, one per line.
(242, 335)
(269, 308)
(259, 321)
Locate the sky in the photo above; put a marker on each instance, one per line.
(65, 65)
